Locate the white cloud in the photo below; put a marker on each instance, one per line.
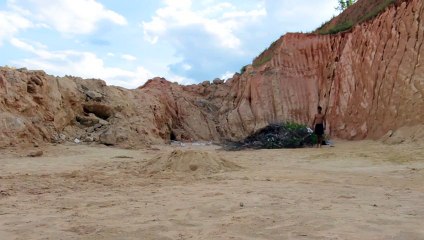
(86, 65)
(67, 16)
(220, 21)
(187, 67)
(215, 36)
(10, 24)
(202, 39)
(179, 79)
(82, 64)
(128, 57)
(38, 49)
(207, 35)
(303, 15)
(227, 75)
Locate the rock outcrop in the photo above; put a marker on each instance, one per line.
(36, 107)
(369, 80)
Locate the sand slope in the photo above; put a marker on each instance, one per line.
(357, 190)
(191, 162)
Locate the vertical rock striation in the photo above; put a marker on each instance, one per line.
(369, 80)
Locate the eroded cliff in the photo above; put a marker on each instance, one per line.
(36, 107)
(369, 80)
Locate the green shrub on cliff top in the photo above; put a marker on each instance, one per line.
(362, 12)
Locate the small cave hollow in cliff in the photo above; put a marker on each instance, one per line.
(100, 110)
(172, 136)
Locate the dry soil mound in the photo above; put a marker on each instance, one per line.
(197, 162)
(407, 134)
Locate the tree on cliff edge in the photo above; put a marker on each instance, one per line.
(344, 4)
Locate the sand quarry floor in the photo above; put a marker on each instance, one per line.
(355, 190)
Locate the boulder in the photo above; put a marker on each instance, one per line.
(102, 111)
(218, 81)
(88, 121)
(95, 96)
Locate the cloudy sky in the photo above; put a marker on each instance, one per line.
(126, 42)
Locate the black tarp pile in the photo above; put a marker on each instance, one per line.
(274, 136)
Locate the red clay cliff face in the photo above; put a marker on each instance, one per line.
(369, 81)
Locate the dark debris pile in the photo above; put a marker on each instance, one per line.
(275, 136)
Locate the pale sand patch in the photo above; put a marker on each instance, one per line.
(189, 162)
(356, 190)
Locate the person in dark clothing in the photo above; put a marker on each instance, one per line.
(319, 126)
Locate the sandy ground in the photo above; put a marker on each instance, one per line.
(356, 190)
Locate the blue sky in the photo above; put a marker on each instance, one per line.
(127, 42)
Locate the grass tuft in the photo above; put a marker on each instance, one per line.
(348, 19)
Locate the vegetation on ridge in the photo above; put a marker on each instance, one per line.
(266, 55)
(360, 12)
(344, 4)
(355, 12)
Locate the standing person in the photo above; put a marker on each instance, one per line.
(319, 125)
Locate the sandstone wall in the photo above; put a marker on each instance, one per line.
(368, 81)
